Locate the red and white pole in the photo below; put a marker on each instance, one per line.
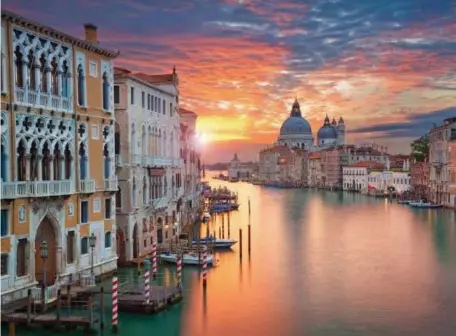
(179, 270)
(115, 284)
(204, 267)
(154, 260)
(146, 286)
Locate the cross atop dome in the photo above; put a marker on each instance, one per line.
(326, 120)
(296, 109)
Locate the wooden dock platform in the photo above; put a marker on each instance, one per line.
(160, 298)
(49, 320)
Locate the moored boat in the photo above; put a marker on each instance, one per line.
(404, 201)
(424, 205)
(216, 243)
(187, 258)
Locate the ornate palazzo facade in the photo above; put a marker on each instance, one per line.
(57, 118)
(150, 191)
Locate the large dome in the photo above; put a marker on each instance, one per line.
(295, 125)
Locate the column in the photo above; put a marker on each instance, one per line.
(27, 167)
(4, 87)
(48, 80)
(50, 163)
(39, 171)
(25, 77)
(36, 70)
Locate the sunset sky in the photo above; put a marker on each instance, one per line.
(387, 66)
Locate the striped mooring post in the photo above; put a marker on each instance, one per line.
(146, 286)
(114, 303)
(154, 260)
(179, 270)
(204, 267)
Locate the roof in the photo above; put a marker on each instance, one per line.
(367, 164)
(156, 79)
(314, 156)
(125, 73)
(183, 111)
(56, 34)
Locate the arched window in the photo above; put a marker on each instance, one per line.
(43, 70)
(133, 138)
(118, 198)
(68, 162)
(19, 63)
(105, 92)
(117, 139)
(134, 194)
(143, 141)
(82, 162)
(31, 71)
(108, 239)
(145, 191)
(81, 98)
(55, 77)
(57, 162)
(65, 80)
(21, 162)
(4, 164)
(34, 162)
(46, 163)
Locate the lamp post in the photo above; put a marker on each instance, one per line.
(44, 255)
(92, 242)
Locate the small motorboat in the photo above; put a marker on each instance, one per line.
(424, 205)
(404, 201)
(220, 207)
(187, 259)
(216, 243)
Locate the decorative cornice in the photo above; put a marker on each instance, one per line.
(53, 33)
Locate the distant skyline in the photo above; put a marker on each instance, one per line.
(387, 67)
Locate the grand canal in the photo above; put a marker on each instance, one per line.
(321, 263)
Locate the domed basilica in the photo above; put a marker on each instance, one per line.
(296, 132)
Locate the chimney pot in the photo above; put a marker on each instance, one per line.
(91, 33)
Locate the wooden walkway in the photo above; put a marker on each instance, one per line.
(49, 319)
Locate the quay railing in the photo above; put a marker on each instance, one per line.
(50, 293)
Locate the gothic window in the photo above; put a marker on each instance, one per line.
(34, 162)
(46, 163)
(55, 77)
(31, 71)
(157, 187)
(67, 160)
(82, 162)
(144, 191)
(4, 162)
(107, 162)
(165, 186)
(21, 162)
(70, 247)
(151, 188)
(105, 92)
(134, 196)
(81, 98)
(22, 257)
(19, 65)
(65, 80)
(143, 141)
(118, 198)
(57, 162)
(117, 139)
(133, 138)
(43, 70)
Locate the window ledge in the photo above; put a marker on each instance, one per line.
(4, 93)
(5, 276)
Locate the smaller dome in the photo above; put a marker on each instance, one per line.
(327, 132)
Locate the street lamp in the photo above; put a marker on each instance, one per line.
(92, 242)
(44, 255)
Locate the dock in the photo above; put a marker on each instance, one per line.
(50, 320)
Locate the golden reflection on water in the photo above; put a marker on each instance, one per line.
(322, 260)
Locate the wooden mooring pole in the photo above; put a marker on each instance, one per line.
(223, 225)
(248, 238)
(59, 307)
(229, 226)
(11, 329)
(29, 307)
(102, 308)
(240, 243)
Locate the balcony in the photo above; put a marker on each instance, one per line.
(111, 184)
(87, 186)
(147, 161)
(18, 189)
(43, 99)
(119, 161)
(177, 162)
(161, 162)
(158, 203)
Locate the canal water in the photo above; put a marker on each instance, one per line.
(321, 263)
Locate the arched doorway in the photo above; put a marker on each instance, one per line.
(135, 241)
(46, 233)
(120, 240)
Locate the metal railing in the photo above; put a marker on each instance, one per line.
(42, 99)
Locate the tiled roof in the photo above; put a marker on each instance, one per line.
(155, 79)
(367, 164)
(183, 111)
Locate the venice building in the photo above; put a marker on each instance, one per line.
(148, 162)
(57, 156)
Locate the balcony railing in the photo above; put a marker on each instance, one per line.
(87, 186)
(119, 161)
(111, 184)
(17, 189)
(42, 99)
(50, 293)
(136, 159)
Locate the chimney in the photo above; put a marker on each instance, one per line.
(91, 33)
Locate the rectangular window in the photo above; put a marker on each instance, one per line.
(95, 132)
(93, 71)
(148, 102)
(70, 247)
(84, 212)
(132, 96)
(84, 245)
(5, 223)
(159, 105)
(171, 109)
(143, 99)
(108, 239)
(96, 203)
(22, 257)
(155, 104)
(108, 210)
(164, 107)
(4, 264)
(116, 94)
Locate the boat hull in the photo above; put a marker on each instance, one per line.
(218, 244)
(186, 260)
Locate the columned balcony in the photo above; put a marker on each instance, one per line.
(111, 184)
(43, 99)
(87, 186)
(18, 189)
(161, 162)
